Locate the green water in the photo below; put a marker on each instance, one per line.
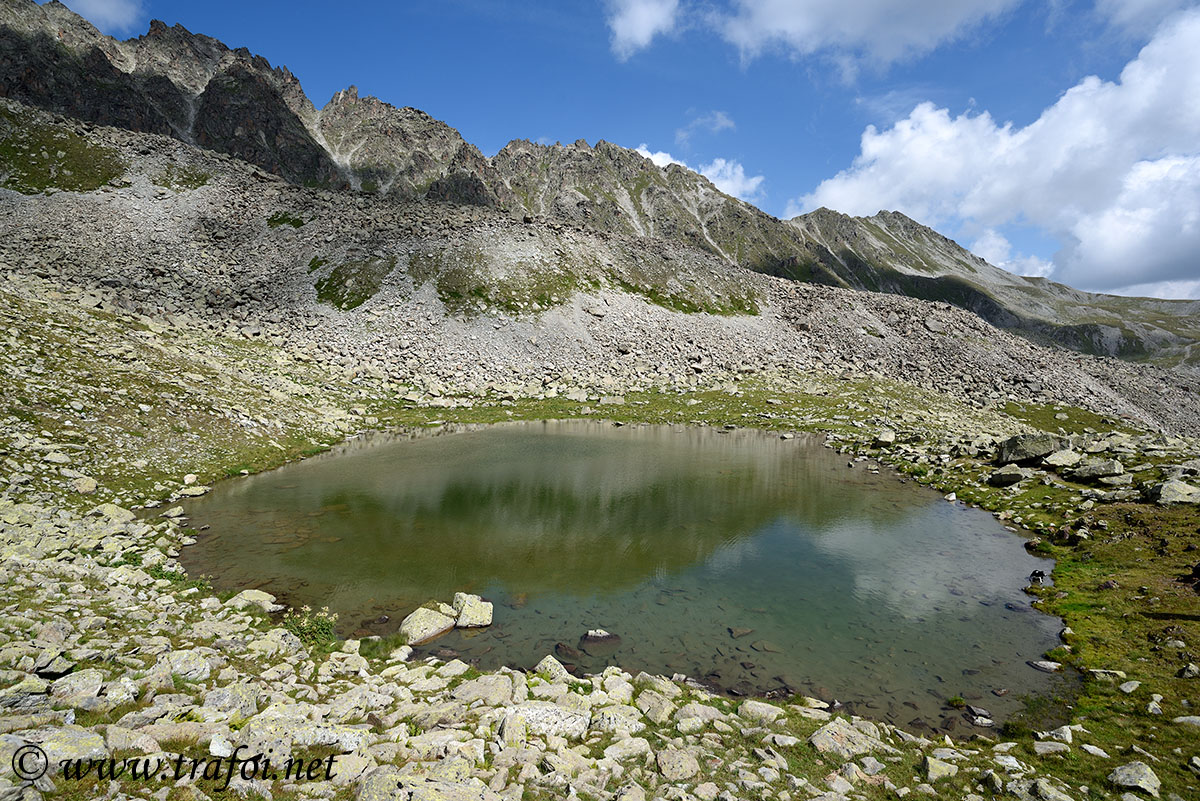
(853, 586)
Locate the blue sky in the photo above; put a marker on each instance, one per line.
(1053, 137)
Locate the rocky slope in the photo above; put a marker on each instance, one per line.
(427, 292)
(192, 87)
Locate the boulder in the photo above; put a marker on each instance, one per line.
(82, 683)
(493, 690)
(1027, 448)
(1136, 776)
(256, 599)
(550, 668)
(936, 769)
(424, 624)
(617, 718)
(1172, 492)
(1064, 458)
(544, 718)
(471, 611)
(1095, 469)
(627, 748)
(677, 765)
(1008, 475)
(70, 742)
(237, 700)
(845, 741)
(190, 665)
(758, 712)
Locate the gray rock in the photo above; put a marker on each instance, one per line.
(1042, 748)
(676, 765)
(472, 611)
(759, 712)
(1094, 469)
(493, 690)
(276, 642)
(1136, 776)
(237, 700)
(936, 769)
(189, 664)
(1027, 448)
(256, 599)
(617, 718)
(841, 739)
(423, 624)
(1173, 492)
(70, 742)
(543, 718)
(655, 706)
(550, 668)
(1008, 475)
(84, 683)
(627, 748)
(28, 694)
(1063, 458)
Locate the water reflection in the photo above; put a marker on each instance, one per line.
(843, 582)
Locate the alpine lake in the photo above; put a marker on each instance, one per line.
(754, 564)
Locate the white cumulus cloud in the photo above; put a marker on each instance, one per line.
(994, 248)
(110, 16)
(881, 31)
(661, 158)
(635, 23)
(1111, 170)
(728, 175)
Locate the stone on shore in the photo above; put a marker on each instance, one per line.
(256, 599)
(840, 738)
(472, 611)
(424, 624)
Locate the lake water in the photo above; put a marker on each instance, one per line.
(755, 564)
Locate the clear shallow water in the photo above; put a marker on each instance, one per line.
(836, 582)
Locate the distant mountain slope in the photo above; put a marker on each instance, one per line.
(889, 252)
(194, 88)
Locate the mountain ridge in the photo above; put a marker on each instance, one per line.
(190, 86)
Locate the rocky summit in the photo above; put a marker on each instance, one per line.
(202, 276)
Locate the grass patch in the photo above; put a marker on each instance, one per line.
(284, 218)
(690, 304)
(316, 629)
(36, 157)
(353, 283)
(177, 178)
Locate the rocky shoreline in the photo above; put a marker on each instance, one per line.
(174, 670)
